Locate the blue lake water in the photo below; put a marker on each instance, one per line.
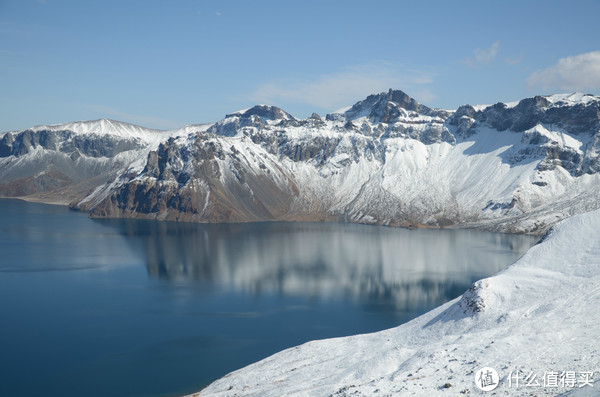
(141, 308)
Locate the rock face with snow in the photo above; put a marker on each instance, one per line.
(65, 162)
(518, 167)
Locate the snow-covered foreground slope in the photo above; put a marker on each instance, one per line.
(533, 322)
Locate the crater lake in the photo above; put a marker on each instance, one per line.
(129, 307)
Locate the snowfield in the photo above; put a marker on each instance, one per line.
(537, 323)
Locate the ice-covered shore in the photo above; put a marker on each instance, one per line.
(535, 323)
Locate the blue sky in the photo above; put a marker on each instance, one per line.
(164, 64)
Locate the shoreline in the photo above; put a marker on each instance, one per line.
(481, 225)
(38, 200)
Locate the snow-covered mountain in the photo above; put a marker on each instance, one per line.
(65, 162)
(517, 167)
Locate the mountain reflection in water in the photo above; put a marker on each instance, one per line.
(394, 267)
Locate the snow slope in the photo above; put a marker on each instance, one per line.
(539, 317)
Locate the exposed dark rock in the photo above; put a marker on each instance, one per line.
(172, 191)
(473, 300)
(385, 107)
(577, 119)
(463, 119)
(6, 145)
(66, 142)
(525, 115)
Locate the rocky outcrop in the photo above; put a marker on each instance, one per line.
(389, 107)
(189, 183)
(65, 141)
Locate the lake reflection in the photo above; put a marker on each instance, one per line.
(140, 308)
(391, 267)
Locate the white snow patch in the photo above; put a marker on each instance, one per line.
(573, 98)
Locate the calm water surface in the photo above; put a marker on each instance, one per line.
(142, 308)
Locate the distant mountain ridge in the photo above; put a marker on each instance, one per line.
(517, 167)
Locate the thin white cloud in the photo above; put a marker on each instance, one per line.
(334, 90)
(482, 57)
(423, 95)
(574, 73)
(145, 121)
(218, 13)
(514, 61)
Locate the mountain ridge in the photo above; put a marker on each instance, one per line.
(389, 160)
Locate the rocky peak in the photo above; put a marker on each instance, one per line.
(386, 107)
(401, 99)
(255, 117)
(265, 112)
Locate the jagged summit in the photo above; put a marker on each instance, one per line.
(265, 112)
(398, 97)
(388, 107)
(255, 117)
